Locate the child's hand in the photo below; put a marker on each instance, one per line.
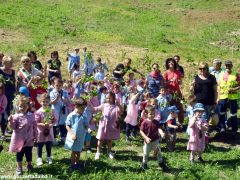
(148, 140)
(175, 127)
(74, 137)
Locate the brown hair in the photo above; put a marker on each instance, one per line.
(80, 102)
(149, 108)
(44, 96)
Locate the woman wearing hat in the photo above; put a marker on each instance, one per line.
(204, 87)
(198, 126)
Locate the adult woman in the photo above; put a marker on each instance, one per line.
(8, 74)
(204, 87)
(173, 80)
(27, 72)
(154, 81)
(54, 66)
(36, 63)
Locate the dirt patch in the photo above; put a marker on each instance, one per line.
(195, 17)
(11, 36)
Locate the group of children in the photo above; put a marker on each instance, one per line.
(70, 108)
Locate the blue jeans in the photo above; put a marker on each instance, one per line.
(27, 151)
(130, 128)
(48, 145)
(222, 105)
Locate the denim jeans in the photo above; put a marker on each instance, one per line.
(233, 106)
(27, 151)
(48, 148)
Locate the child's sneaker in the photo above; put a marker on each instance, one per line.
(55, 143)
(29, 167)
(127, 140)
(4, 138)
(144, 166)
(110, 155)
(163, 166)
(49, 160)
(97, 156)
(19, 171)
(39, 162)
(89, 150)
(200, 159)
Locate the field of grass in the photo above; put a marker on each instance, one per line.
(141, 29)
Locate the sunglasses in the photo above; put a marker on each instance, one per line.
(202, 69)
(25, 61)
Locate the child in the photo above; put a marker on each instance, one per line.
(108, 126)
(88, 65)
(163, 101)
(103, 93)
(76, 125)
(198, 127)
(133, 82)
(189, 110)
(78, 87)
(60, 101)
(99, 76)
(171, 126)
(76, 72)
(24, 132)
(150, 130)
(132, 116)
(45, 119)
(98, 64)
(73, 59)
(3, 114)
(152, 102)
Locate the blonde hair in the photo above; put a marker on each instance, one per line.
(44, 96)
(204, 65)
(24, 58)
(23, 99)
(7, 59)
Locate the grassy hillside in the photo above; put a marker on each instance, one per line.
(141, 29)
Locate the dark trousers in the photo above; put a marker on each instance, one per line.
(130, 128)
(48, 148)
(60, 128)
(233, 106)
(3, 124)
(27, 151)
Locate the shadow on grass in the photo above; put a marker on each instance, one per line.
(228, 138)
(124, 155)
(212, 148)
(228, 163)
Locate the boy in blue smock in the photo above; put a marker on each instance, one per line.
(76, 125)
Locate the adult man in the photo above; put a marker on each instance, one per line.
(216, 69)
(179, 68)
(229, 86)
(121, 69)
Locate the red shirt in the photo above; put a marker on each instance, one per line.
(173, 78)
(150, 129)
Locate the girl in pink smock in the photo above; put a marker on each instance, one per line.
(198, 127)
(45, 118)
(24, 133)
(108, 126)
(132, 116)
(3, 114)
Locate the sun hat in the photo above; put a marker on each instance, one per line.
(173, 109)
(217, 61)
(198, 107)
(228, 62)
(24, 90)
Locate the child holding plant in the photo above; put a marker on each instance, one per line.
(198, 127)
(59, 102)
(45, 118)
(24, 133)
(108, 126)
(76, 125)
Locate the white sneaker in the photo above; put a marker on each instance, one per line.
(49, 160)
(110, 155)
(97, 156)
(39, 162)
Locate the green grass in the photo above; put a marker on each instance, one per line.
(222, 162)
(118, 29)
